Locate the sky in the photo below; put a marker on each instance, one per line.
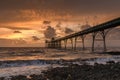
(28, 23)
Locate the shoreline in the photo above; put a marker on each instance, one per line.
(20, 69)
(108, 71)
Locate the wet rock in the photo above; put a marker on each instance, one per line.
(69, 77)
(113, 53)
(110, 62)
(37, 77)
(110, 71)
(86, 72)
(20, 77)
(2, 78)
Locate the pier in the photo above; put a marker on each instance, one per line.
(101, 29)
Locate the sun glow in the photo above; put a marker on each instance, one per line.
(16, 36)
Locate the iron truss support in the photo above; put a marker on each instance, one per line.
(60, 45)
(103, 34)
(93, 38)
(52, 44)
(65, 43)
(55, 44)
(75, 43)
(71, 39)
(83, 41)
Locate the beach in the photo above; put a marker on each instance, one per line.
(42, 64)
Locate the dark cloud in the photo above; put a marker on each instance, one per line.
(58, 25)
(86, 26)
(35, 38)
(11, 9)
(46, 22)
(74, 5)
(68, 30)
(17, 32)
(15, 28)
(50, 32)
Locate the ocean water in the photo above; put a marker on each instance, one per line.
(7, 53)
(27, 61)
(24, 61)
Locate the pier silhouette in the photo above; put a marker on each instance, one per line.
(101, 29)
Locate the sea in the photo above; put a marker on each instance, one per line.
(33, 60)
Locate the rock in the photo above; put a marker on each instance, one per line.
(2, 78)
(20, 77)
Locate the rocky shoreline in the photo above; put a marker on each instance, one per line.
(108, 71)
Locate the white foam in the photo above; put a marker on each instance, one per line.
(24, 70)
(104, 60)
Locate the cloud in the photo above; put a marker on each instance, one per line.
(35, 38)
(46, 22)
(49, 32)
(58, 5)
(86, 26)
(58, 25)
(17, 32)
(12, 42)
(68, 30)
(27, 10)
(15, 28)
(24, 12)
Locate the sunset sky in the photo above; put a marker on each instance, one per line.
(27, 22)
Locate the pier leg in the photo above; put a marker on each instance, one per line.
(103, 34)
(53, 44)
(49, 45)
(56, 44)
(71, 42)
(59, 44)
(104, 39)
(83, 43)
(46, 44)
(75, 43)
(93, 37)
(65, 42)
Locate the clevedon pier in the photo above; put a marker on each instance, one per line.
(101, 29)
